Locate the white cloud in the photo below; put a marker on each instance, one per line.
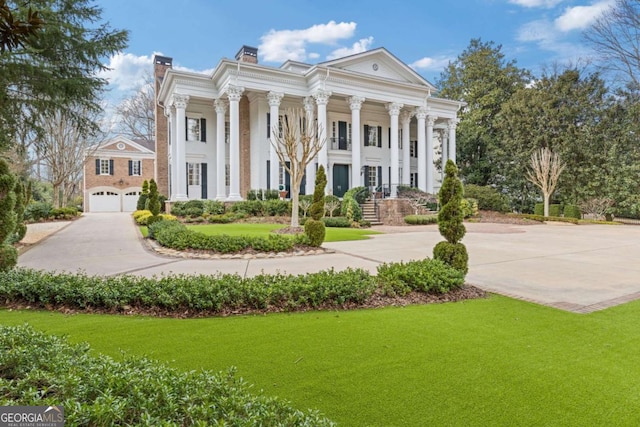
(428, 63)
(281, 45)
(536, 3)
(541, 30)
(127, 71)
(359, 46)
(580, 17)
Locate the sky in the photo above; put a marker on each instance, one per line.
(424, 34)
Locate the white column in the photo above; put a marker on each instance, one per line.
(311, 166)
(394, 112)
(444, 143)
(221, 110)
(431, 120)
(169, 113)
(355, 103)
(322, 98)
(405, 119)
(452, 139)
(421, 114)
(234, 93)
(180, 162)
(274, 99)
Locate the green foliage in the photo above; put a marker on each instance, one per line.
(316, 211)
(337, 221)
(469, 207)
(144, 195)
(21, 201)
(542, 218)
(154, 201)
(350, 208)
(8, 220)
(538, 209)
(555, 210)
(421, 219)
(450, 216)
(489, 199)
(315, 231)
(360, 194)
(453, 254)
(426, 275)
(146, 392)
(37, 211)
(213, 207)
(68, 212)
(263, 194)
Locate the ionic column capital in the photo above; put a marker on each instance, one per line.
(394, 108)
(355, 102)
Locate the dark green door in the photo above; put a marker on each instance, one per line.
(342, 136)
(340, 179)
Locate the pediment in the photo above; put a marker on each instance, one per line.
(379, 63)
(124, 144)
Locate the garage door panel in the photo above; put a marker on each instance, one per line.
(104, 201)
(130, 201)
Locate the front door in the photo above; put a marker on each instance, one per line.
(340, 179)
(342, 136)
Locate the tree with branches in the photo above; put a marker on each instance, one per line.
(614, 36)
(545, 171)
(137, 112)
(296, 143)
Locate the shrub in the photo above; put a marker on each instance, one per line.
(68, 212)
(144, 195)
(538, 209)
(489, 199)
(261, 194)
(154, 201)
(450, 221)
(98, 390)
(177, 209)
(331, 205)
(37, 211)
(315, 231)
(351, 209)
(225, 218)
(337, 221)
(421, 219)
(453, 254)
(542, 218)
(572, 211)
(21, 201)
(8, 253)
(276, 207)
(316, 211)
(360, 194)
(555, 210)
(248, 207)
(213, 207)
(427, 275)
(469, 207)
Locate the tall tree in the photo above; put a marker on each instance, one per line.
(296, 144)
(545, 171)
(58, 69)
(136, 114)
(482, 78)
(615, 36)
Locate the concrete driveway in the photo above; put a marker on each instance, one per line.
(578, 268)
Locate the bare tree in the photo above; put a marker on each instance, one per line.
(135, 114)
(296, 144)
(615, 36)
(61, 151)
(597, 207)
(546, 168)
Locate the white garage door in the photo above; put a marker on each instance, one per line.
(130, 201)
(104, 201)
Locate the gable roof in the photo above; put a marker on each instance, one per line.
(379, 63)
(141, 146)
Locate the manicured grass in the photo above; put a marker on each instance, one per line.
(242, 229)
(485, 362)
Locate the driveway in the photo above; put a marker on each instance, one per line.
(578, 268)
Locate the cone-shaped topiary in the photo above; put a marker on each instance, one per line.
(316, 211)
(144, 195)
(450, 220)
(154, 203)
(8, 254)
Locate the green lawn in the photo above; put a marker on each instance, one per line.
(485, 362)
(242, 229)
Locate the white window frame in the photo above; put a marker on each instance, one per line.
(194, 174)
(105, 168)
(193, 129)
(373, 177)
(136, 167)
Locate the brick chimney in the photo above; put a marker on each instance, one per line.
(160, 66)
(247, 54)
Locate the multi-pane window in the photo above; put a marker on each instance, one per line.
(227, 132)
(193, 173)
(413, 149)
(373, 177)
(414, 179)
(135, 167)
(105, 167)
(196, 129)
(227, 175)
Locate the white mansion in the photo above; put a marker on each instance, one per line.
(382, 124)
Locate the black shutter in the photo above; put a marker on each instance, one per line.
(186, 128)
(366, 176)
(287, 178)
(97, 166)
(380, 176)
(366, 135)
(187, 170)
(380, 136)
(268, 126)
(389, 137)
(130, 167)
(268, 174)
(203, 130)
(203, 180)
(140, 167)
(110, 166)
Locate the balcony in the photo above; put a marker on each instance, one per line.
(342, 144)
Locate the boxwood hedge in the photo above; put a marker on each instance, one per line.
(43, 370)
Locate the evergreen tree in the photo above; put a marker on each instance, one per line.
(8, 254)
(450, 224)
(154, 200)
(314, 227)
(144, 196)
(21, 204)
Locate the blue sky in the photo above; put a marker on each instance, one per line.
(424, 34)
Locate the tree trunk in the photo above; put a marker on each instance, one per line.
(295, 197)
(547, 196)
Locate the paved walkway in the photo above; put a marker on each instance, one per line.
(577, 268)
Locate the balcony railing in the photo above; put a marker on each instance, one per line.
(340, 144)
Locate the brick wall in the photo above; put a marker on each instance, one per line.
(393, 211)
(120, 171)
(162, 139)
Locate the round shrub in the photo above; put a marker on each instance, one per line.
(421, 219)
(315, 231)
(555, 209)
(337, 221)
(453, 254)
(489, 199)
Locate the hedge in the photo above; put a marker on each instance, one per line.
(421, 219)
(43, 370)
(542, 218)
(427, 275)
